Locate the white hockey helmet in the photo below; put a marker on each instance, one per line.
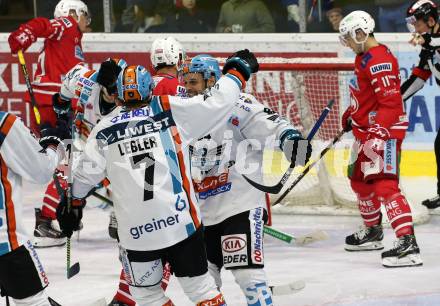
(64, 7)
(167, 51)
(353, 22)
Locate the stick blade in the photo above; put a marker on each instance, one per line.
(268, 189)
(311, 237)
(288, 289)
(73, 270)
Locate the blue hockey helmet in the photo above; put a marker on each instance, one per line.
(135, 85)
(204, 64)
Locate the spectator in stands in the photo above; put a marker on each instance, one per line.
(190, 19)
(334, 17)
(316, 21)
(293, 16)
(250, 16)
(392, 14)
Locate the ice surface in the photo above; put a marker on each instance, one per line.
(332, 275)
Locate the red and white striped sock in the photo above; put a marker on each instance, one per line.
(123, 293)
(399, 215)
(369, 207)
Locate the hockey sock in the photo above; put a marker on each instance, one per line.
(123, 293)
(254, 286)
(399, 215)
(398, 210)
(369, 205)
(218, 300)
(369, 208)
(52, 199)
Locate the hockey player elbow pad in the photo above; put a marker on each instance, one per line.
(244, 62)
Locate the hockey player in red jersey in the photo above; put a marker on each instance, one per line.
(62, 50)
(167, 54)
(378, 120)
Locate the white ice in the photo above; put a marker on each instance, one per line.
(332, 275)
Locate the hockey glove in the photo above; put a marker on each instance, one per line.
(108, 75)
(54, 135)
(244, 62)
(346, 119)
(70, 219)
(296, 149)
(60, 105)
(21, 39)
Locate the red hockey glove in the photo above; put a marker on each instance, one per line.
(346, 119)
(21, 39)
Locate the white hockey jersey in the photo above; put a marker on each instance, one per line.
(145, 154)
(80, 83)
(220, 158)
(21, 157)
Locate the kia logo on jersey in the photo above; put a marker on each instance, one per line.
(233, 244)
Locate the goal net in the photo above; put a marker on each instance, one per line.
(299, 90)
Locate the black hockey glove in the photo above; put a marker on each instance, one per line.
(60, 106)
(70, 219)
(244, 62)
(108, 75)
(54, 135)
(296, 149)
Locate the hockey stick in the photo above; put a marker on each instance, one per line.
(71, 270)
(310, 166)
(29, 86)
(297, 240)
(287, 289)
(277, 188)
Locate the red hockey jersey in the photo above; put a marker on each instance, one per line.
(376, 102)
(62, 51)
(167, 84)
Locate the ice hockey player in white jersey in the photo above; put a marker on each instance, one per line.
(143, 150)
(22, 276)
(233, 212)
(92, 91)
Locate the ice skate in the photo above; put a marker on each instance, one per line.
(45, 235)
(406, 253)
(365, 239)
(432, 203)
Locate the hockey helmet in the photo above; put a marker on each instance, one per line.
(421, 9)
(167, 52)
(353, 22)
(204, 64)
(64, 7)
(134, 85)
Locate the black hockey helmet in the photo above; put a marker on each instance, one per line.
(422, 9)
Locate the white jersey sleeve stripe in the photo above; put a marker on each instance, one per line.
(169, 148)
(186, 180)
